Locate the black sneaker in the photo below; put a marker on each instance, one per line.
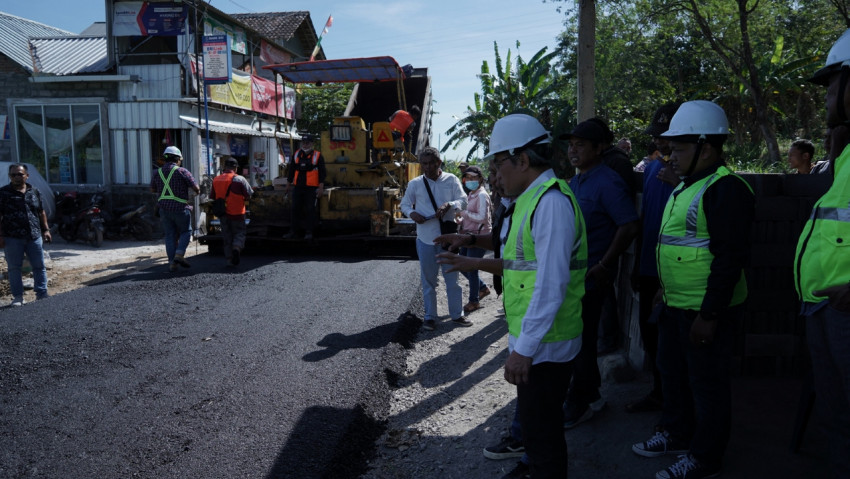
(235, 257)
(520, 471)
(428, 325)
(687, 468)
(658, 445)
(506, 449)
(462, 321)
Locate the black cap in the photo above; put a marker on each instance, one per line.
(308, 137)
(474, 170)
(661, 119)
(588, 130)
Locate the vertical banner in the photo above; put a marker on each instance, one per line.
(217, 62)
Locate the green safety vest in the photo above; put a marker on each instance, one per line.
(823, 250)
(682, 254)
(167, 193)
(520, 267)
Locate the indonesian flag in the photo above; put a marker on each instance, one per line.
(328, 25)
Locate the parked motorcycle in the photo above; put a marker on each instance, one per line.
(80, 221)
(127, 222)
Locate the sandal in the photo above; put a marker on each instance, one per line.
(470, 307)
(483, 292)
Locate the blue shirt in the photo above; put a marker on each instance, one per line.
(605, 203)
(655, 196)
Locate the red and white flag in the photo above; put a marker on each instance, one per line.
(328, 25)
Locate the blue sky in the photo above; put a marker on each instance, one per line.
(450, 38)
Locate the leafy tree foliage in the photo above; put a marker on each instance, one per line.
(320, 105)
(524, 87)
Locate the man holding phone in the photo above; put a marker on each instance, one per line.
(23, 229)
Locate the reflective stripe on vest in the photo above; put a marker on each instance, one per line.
(822, 259)
(520, 267)
(167, 193)
(312, 175)
(683, 255)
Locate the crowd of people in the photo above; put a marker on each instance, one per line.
(557, 244)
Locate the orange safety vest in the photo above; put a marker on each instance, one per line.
(401, 121)
(312, 175)
(235, 204)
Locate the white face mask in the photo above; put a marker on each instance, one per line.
(472, 185)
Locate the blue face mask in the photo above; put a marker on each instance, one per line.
(472, 185)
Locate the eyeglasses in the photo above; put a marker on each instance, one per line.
(498, 163)
(15, 175)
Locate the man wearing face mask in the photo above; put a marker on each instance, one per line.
(306, 181)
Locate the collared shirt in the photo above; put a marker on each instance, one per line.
(553, 231)
(20, 212)
(181, 182)
(606, 205)
(446, 189)
(655, 196)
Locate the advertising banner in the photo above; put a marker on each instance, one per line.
(217, 62)
(271, 55)
(149, 19)
(265, 100)
(236, 93)
(238, 39)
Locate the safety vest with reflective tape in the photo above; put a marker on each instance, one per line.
(167, 193)
(684, 260)
(823, 250)
(520, 267)
(313, 174)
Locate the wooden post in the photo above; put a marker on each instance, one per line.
(586, 58)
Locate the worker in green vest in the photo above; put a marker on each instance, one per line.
(544, 263)
(702, 249)
(822, 265)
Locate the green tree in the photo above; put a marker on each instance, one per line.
(524, 87)
(320, 105)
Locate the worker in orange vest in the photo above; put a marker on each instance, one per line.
(234, 189)
(306, 180)
(402, 123)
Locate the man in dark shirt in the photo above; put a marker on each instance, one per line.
(23, 229)
(306, 180)
(703, 246)
(172, 183)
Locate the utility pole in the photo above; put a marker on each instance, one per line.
(586, 59)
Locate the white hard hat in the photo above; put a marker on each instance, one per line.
(698, 118)
(839, 55)
(516, 131)
(173, 150)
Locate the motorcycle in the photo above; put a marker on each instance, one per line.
(128, 222)
(78, 221)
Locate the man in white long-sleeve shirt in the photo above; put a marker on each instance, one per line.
(543, 265)
(418, 205)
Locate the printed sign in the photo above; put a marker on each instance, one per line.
(217, 67)
(238, 39)
(149, 19)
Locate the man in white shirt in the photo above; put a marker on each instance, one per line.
(543, 266)
(445, 200)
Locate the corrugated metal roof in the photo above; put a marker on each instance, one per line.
(14, 37)
(69, 55)
(235, 129)
(340, 70)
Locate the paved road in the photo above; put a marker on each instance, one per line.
(277, 370)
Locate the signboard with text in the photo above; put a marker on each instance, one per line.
(217, 62)
(148, 19)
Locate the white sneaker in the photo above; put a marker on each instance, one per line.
(16, 303)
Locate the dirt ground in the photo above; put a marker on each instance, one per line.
(74, 265)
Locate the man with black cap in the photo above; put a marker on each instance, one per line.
(306, 180)
(612, 223)
(235, 190)
(703, 247)
(655, 193)
(822, 264)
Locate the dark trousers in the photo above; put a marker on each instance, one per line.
(697, 382)
(586, 378)
(828, 334)
(649, 286)
(539, 403)
(303, 208)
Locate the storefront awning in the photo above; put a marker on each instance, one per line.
(237, 129)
